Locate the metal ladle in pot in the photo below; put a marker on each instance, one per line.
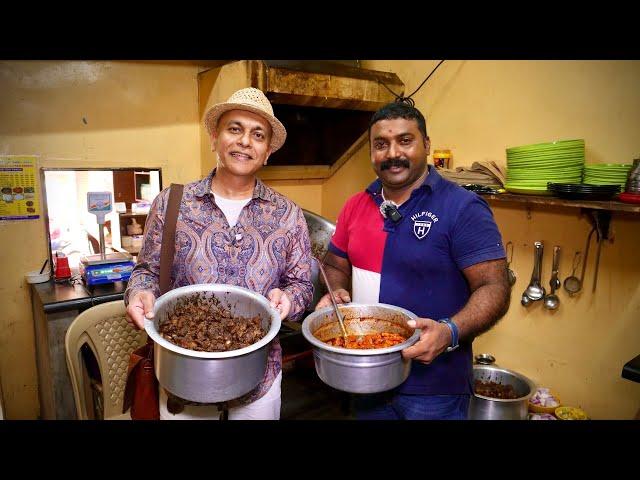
(333, 301)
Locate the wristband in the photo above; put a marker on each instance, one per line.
(454, 333)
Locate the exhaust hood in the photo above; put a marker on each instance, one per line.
(324, 105)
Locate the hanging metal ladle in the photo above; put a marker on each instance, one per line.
(551, 301)
(573, 284)
(534, 291)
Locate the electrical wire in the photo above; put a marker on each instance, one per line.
(408, 100)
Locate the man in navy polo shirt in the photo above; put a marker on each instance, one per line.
(418, 241)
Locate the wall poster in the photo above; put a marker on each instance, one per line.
(19, 196)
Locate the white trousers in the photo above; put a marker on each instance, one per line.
(265, 408)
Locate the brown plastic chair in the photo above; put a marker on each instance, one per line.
(111, 338)
(94, 244)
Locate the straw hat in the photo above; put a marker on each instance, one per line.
(252, 100)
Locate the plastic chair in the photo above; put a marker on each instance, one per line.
(105, 330)
(94, 244)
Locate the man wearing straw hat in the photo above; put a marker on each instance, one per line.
(224, 220)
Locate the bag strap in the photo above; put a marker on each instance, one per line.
(168, 248)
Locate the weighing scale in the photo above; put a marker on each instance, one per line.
(104, 267)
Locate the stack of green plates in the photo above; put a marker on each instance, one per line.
(607, 174)
(531, 167)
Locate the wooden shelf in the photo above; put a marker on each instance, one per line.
(141, 219)
(611, 205)
(129, 214)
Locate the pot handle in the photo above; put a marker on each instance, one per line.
(484, 359)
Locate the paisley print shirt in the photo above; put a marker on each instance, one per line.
(268, 248)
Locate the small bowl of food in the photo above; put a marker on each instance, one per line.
(543, 401)
(570, 413)
(541, 416)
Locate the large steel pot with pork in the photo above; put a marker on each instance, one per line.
(212, 377)
(488, 408)
(360, 370)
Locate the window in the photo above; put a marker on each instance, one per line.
(71, 229)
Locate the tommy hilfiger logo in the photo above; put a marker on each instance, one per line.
(422, 223)
(421, 228)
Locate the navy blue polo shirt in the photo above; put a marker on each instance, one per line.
(417, 263)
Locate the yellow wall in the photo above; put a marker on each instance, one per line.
(306, 193)
(136, 114)
(477, 109)
(354, 176)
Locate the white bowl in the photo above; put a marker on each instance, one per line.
(37, 277)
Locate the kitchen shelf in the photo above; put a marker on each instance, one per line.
(610, 205)
(129, 214)
(141, 218)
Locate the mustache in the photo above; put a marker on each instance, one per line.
(394, 162)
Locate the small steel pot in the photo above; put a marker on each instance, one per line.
(487, 408)
(211, 377)
(366, 370)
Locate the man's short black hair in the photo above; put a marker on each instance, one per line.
(395, 110)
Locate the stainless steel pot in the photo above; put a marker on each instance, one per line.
(487, 408)
(366, 370)
(211, 377)
(320, 232)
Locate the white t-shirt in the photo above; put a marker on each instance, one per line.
(231, 208)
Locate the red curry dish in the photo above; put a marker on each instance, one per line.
(370, 340)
